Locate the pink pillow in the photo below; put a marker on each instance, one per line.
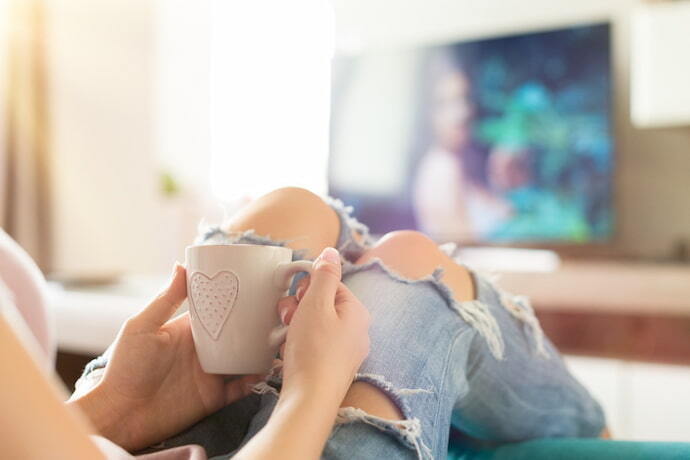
(27, 287)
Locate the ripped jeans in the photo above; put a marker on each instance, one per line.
(481, 367)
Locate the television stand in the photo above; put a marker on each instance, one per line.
(622, 309)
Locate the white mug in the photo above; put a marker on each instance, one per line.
(233, 291)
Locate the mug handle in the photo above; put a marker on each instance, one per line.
(282, 278)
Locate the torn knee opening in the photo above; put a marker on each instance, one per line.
(518, 306)
(474, 312)
(408, 429)
(394, 394)
(350, 247)
(521, 309)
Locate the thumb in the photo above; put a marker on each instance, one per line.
(325, 279)
(162, 307)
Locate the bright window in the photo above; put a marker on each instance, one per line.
(270, 92)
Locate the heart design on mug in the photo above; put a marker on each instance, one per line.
(213, 299)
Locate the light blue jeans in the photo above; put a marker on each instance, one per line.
(483, 368)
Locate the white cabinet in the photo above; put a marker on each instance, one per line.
(660, 70)
(659, 402)
(643, 402)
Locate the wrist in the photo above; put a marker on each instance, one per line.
(107, 417)
(316, 412)
(305, 397)
(324, 391)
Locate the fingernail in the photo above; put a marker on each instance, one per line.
(330, 255)
(174, 269)
(283, 314)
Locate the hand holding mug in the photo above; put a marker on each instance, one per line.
(233, 290)
(154, 374)
(327, 338)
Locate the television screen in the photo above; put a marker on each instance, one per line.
(489, 141)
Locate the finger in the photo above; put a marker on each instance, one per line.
(286, 308)
(162, 307)
(241, 387)
(325, 279)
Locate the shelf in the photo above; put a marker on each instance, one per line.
(611, 287)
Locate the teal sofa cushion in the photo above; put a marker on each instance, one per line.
(573, 449)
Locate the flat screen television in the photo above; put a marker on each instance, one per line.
(501, 140)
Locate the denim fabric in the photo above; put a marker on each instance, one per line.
(482, 367)
(527, 394)
(220, 432)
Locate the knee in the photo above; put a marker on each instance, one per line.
(292, 198)
(415, 255)
(292, 214)
(410, 253)
(288, 204)
(407, 240)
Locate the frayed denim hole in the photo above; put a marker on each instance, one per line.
(395, 395)
(407, 431)
(349, 247)
(518, 306)
(408, 428)
(474, 312)
(521, 309)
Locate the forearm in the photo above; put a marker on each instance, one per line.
(298, 428)
(101, 411)
(34, 420)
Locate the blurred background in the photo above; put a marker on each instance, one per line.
(125, 125)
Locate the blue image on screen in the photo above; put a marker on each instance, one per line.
(500, 140)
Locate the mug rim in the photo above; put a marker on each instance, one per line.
(220, 245)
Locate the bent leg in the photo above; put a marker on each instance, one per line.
(414, 255)
(516, 386)
(406, 387)
(455, 346)
(294, 215)
(295, 218)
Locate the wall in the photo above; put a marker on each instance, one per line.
(100, 86)
(653, 183)
(4, 18)
(129, 100)
(182, 89)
